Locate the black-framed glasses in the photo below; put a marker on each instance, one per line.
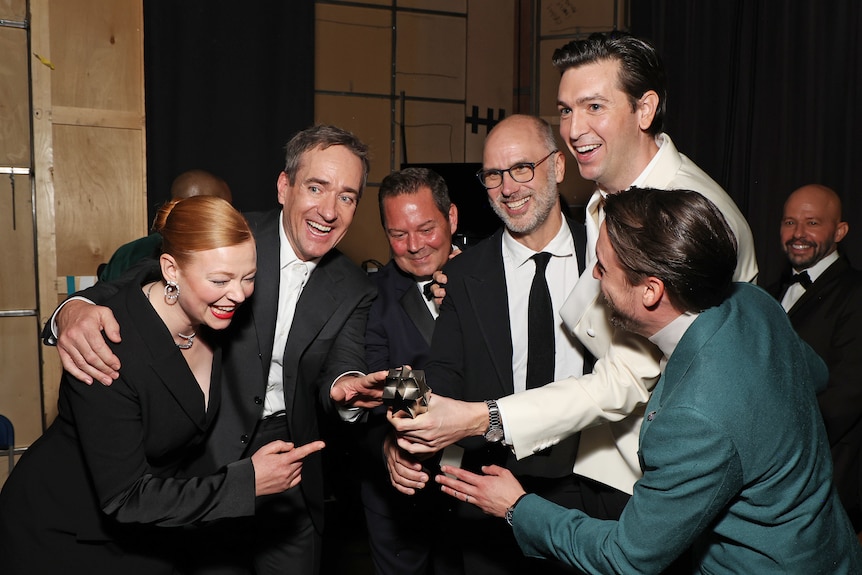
(521, 173)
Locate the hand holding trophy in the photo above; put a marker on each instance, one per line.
(405, 390)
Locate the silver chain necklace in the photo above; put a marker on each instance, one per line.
(190, 339)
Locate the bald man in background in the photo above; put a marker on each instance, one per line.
(186, 185)
(822, 294)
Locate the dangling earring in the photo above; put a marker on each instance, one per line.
(172, 292)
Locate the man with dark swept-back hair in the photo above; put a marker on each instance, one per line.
(733, 447)
(640, 71)
(681, 228)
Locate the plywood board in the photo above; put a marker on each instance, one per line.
(558, 17)
(14, 98)
(14, 10)
(490, 68)
(100, 204)
(431, 57)
(548, 77)
(353, 49)
(20, 394)
(459, 6)
(382, 3)
(18, 284)
(434, 132)
(97, 53)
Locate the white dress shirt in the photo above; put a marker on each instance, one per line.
(562, 275)
(293, 274)
(796, 291)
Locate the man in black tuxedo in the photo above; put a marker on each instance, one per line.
(822, 294)
(407, 534)
(298, 346)
(481, 345)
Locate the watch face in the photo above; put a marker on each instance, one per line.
(494, 435)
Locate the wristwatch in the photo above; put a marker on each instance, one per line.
(510, 512)
(495, 426)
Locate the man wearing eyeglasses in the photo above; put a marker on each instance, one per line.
(480, 346)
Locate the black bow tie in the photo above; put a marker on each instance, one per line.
(802, 278)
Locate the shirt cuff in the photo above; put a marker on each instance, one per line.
(52, 338)
(349, 414)
(506, 439)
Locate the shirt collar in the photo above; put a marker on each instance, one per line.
(667, 338)
(659, 141)
(560, 246)
(817, 269)
(286, 255)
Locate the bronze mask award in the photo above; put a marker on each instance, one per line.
(405, 390)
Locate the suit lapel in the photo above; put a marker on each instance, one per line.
(417, 310)
(166, 362)
(814, 291)
(314, 308)
(486, 289)
(264, 302)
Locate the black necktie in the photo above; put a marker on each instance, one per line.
(540, 327)
(802, 278)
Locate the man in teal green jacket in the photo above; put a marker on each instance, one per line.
(733, 449)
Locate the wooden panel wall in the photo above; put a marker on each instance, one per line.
(445, 56)
(88, 126)
(20, 386)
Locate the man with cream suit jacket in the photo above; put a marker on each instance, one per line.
(628, 367)
(611, 100)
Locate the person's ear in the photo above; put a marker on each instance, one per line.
(169, 267)
(559, 166)
(646, 109)
(841, 231)
(653, 292)
(283, 186)
(453, 218)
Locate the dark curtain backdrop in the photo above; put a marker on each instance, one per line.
(227, 84)
(765, 96)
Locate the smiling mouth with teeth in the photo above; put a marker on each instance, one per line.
(586, 149)
(320, 227)
(516, 204)
(223, 312)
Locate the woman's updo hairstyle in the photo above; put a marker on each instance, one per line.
(199, 223)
